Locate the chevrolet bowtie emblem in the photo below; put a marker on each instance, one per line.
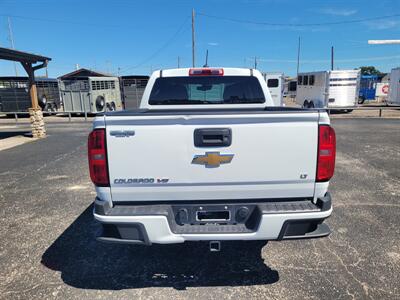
(212, 159)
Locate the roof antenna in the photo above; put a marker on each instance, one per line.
(206, 64)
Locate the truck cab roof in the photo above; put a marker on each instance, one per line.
(186, 71)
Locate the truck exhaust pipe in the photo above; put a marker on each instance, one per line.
(215, 246)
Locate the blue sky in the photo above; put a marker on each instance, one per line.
(136, 37)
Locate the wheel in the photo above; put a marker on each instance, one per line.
(361, 100)
(100, 103)
(110, 107)
(349, 110)
(305, 104)
(311, 105)
(48, 107)
(43, 103)
(113, 107)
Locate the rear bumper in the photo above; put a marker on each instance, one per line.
(147, 224)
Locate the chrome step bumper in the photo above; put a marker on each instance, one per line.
(267, 220)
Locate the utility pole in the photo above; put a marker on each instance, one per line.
(10, 34)
(298, 58)
(255, 62)
(109, 66)
(179, 62)
(193, 40)
(332, 58)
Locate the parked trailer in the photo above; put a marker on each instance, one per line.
(382, 91)
(328, 89)
(275, 83)
(367, 88)
(291, 88)
(91, 94)
(85, 90)
(14, 94)
(394, 88)
(132, 89)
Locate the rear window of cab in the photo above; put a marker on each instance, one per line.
(206, 90)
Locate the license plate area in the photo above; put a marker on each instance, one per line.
(213, 216)
(216, 214)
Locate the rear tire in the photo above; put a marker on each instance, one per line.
(100, 103)
(311, 105)
(48, 108)
(110, 107)
(43, 103)
(305, 104)
(361, 100)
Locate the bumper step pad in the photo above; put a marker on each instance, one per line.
(210, 228)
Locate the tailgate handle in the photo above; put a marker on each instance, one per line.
(212, 137)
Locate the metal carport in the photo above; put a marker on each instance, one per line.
(31, 63)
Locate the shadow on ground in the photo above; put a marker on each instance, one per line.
(88, 264)
(8, 134)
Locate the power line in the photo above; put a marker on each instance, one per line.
(349, 60)
(214, 17)
(165, 45)
(297, 24)
(60, 21)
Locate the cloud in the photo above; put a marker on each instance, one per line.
(384, 24)
(343, 12)
(213, 44)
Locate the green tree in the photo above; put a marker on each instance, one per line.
(370, 70)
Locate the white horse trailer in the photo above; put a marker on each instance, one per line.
(275, 83)
(382, 91)
(328, 89)
(394, 87)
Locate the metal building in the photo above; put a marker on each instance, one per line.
(88, 91)
(132, 88)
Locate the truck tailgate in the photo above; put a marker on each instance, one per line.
(154, 157)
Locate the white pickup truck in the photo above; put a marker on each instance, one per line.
(207, 157)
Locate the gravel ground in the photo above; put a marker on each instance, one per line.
(48, 250)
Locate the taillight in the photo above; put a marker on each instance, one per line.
(206, 72)
(326, 153)
(97, 155)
